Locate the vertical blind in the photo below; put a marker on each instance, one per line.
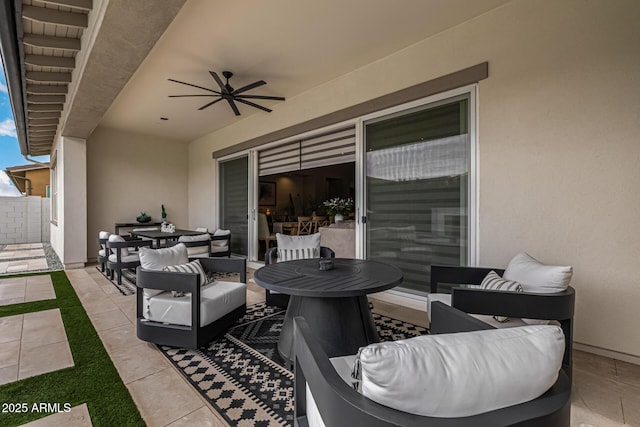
(330, 148)
(234, 202)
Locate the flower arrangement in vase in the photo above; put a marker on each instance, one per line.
(339, 207)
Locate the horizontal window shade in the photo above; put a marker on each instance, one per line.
(323, 150)
(280, 159)
(328, 149)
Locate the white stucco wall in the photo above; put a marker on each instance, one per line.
(558, 147)
(69, 235)
(130, 173)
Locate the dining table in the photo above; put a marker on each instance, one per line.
(333, 301)
(158, 236)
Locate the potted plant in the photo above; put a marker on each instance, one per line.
(143, 217)
(339, 207)
(164, 214)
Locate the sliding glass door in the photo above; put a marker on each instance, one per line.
(417, 188)
(234, 201)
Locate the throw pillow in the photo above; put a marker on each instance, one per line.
(298, 247)
(190, 267)
(436, 375)
(536, 276)
(116, 238)
(495, 282)
(157, 259)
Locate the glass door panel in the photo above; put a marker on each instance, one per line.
(417, 189)
(234, 202)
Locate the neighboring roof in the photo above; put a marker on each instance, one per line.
(22, 168)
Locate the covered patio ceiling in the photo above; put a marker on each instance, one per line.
(108, 62)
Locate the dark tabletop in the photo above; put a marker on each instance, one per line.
(157, 234)
(349, 278)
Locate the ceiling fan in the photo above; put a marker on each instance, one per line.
(228, 93)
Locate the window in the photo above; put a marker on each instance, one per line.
(418, 172)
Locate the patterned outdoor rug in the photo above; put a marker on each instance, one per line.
(242, 375)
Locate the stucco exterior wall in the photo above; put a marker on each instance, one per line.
(557, 142)
(129, 173)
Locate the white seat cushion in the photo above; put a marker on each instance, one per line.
(196, 238)
(218, 249)
(128, 258)
(462, 374)
(101, 252)
(446, 299)
(216, 300)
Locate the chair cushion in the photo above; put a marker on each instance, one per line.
(196, 250)
(190, 267)
(493, 281)
(123, 259)
(218, 249)
(103, 235)
(101, 252)
(116, 238)
(216, 300)
(158, 259)
(298, 247)
(463, 374)
(220, 243)
(536, 276)
(196, 238)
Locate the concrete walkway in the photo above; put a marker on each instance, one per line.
(28, 258)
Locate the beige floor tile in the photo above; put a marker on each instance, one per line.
(38, 264)
(38, 291)
(16, 267)
(631, 408)
(596, 394)
(605, 366)
(108, 319)
(157, 406)
(12, 291)
(627, 373)
(3, 267)
(582, 417)
(203, 417)
(98, 304)
(118, 337)
(77, 417)
(13, 281)
(11, 328)
(42, 328)
(138, 361)
(9, 353)
(8, 374)
(46, 358)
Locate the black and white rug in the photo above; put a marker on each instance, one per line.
(242, 375)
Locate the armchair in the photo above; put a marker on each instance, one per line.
(221, 243)
(120, 256)
(324, 396)
(165, 311)
(484, 304)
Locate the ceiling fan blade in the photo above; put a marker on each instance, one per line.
(218, 80)
(249, 87)
(192, 85)
(275, 98)
(233, 106)
(209, 104)
(254, 105)
(182, 96)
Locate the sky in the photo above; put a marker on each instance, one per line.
(9, 146)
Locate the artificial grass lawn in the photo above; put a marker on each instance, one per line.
(93, 380)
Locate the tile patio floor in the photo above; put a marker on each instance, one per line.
(606, 392)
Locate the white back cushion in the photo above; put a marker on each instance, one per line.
(190, 267)
(158, 259)
(463, 374)
(536, 276)
(196, 238)
(220, 243)
(103, 235)
(116, 238)
(298, 247)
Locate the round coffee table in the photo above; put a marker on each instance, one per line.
(333, 302)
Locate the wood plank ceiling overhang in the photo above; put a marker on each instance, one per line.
(49, 36)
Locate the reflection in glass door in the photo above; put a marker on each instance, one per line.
(234, 201)
(417, 189)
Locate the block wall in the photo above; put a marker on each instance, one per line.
(24, 219)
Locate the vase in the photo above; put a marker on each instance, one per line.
(339, 218)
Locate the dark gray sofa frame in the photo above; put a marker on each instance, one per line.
(558, 306)
(193, 336)
(341, 405)
(119, 264)
(270, 257)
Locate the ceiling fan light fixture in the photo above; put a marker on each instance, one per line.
(228, 93)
